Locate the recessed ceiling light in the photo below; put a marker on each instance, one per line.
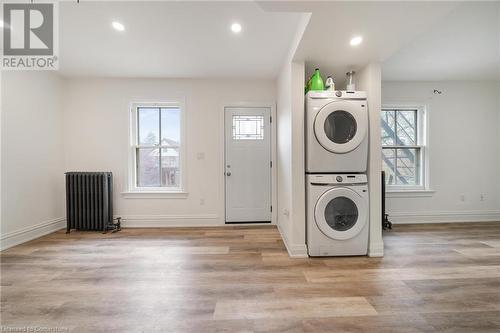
(118, 26)
(236, 28)
(355, 41)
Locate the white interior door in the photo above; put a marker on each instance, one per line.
(248, 164)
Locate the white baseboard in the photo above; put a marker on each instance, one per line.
(26, 234)
(168, 221)
(376, 249)
(294, 250)
(445, 217)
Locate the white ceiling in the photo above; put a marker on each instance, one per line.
(384, 26)
(464, 45)
(173, 39)
(415, 40)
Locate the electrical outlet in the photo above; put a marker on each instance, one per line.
(202, 202)
(462, 197)
(482, 197)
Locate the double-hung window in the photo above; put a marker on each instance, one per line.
(404, 148)
(156, 151)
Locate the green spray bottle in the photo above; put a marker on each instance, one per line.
(308, 84)
(317, 81)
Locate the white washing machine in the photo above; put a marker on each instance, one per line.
(337, 214)
(336, 132)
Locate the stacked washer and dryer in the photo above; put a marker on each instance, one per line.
(336, 163)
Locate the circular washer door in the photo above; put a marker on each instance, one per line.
(340, 213)
(339, 127)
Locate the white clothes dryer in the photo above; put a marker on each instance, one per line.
(336, 132)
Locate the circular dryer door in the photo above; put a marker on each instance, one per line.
(340, 126)
(340, 213)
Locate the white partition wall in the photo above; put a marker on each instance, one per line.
(298, 155)
(32, 195)
(370, 80)
(290, 152)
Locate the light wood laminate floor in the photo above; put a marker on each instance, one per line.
(434, 278)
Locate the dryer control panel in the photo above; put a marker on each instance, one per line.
(337, 179)
(338, 94)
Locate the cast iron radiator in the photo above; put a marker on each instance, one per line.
(89, 201)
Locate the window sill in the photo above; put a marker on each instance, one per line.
(409, 193)
(154, 195)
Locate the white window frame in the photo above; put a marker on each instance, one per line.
(154, 192)
(423, 144)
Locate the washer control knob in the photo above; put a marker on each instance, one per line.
(339, 179)
(338, 93)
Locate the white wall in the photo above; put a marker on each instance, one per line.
(97, 129)
(298, 155)
(290, 152)
(464, 149)
(32, 191)
(290, 148)
(498, 124)
(284, 150)
(370, 80)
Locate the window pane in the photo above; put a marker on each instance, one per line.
(408, 166)
(170, 171)
(388, 125)
(248, 127)
(389, 165)
(170, 126)
(148, 167)
(149, 126)
(406, 127)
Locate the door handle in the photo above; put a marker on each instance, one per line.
(228, 173)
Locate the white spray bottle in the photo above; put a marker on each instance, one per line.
(329, 84)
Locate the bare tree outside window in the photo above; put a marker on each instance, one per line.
(158, 147)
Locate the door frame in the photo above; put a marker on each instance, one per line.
(222, 167)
